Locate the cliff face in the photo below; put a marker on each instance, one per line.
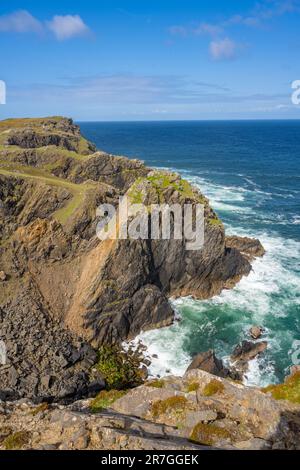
(55, 273)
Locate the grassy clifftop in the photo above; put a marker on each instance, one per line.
(52, 151)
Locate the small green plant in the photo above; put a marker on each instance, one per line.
(173, 404)
(105, 398)
(289, 390)
(192, 387)
(208, 434)
(16, 440)
(39, 409)
(158, 383)
(214, 221)
(120, 369)
(213, 387)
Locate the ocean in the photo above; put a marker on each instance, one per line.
(250, 171)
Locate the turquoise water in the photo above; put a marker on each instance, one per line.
(250, 171)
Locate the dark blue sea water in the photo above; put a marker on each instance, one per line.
(250, 170)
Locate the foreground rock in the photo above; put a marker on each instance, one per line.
(24, 426)
(197, 411)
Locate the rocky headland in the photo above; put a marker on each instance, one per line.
(66, 298)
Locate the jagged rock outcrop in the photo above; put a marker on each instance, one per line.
(245, 352)
(51, 182)
(249, 247)
(208, 362)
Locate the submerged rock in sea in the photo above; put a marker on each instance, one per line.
(256, 331)
(247, 350)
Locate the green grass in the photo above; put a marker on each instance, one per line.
(78, 191)
(16, 123)
(120, 369)
(136, 197)
(60, 153)
(135, 193)
(84, 147)
(105, 399)
(65, 213)
(161, 181)
(214, 221)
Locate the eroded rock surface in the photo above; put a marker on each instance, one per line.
(197, 411)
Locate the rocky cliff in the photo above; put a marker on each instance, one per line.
(63, 293)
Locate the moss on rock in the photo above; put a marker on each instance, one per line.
(105, 398)
(39, 409)
(16, 440)
(289, 390)
(159, 383)
(208, 434)
(192, 387)
(175, 404)
(213, 387)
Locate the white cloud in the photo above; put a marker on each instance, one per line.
(67, 26)
(63, 27)
(223, 49)
(208, 28)
(20, 21)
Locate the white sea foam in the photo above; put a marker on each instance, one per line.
(296, 220)
(167, 345)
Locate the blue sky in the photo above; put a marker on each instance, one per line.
(150, 59)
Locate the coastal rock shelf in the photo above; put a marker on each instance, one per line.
(194, 412)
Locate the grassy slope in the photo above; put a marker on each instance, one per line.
(77, 191)
(9, 168)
